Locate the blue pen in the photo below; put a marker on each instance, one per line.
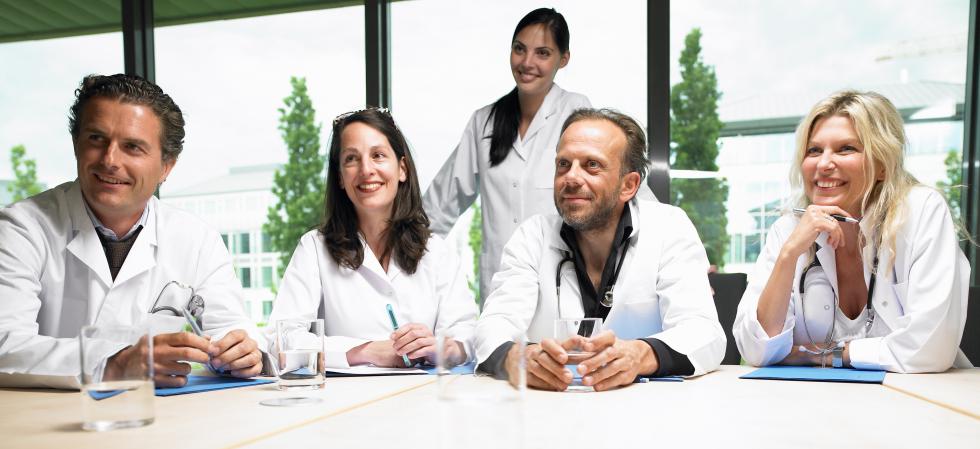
(394, 324)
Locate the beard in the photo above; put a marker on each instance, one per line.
(583, 219)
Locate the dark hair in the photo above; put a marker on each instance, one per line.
(635, 153)
(506, 112)
(408, 228)
(135, 90)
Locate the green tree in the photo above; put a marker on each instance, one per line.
(953, 186)
(694, 130)
(476, 242)
(298, 186)
(25, 175)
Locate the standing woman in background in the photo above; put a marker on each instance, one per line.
(507, 152)
(871, 275)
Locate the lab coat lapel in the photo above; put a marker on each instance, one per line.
(85, 244)
(142, 256)
(547, 111)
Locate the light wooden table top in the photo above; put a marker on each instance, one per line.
(215, 419)
(957, 389)
(717, 409)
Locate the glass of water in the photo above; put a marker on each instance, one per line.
(299, 353)
(116, 398)
(572, 328)
(471, 405)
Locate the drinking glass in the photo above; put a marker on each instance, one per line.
(470, 404)
(567, 328)
(298, 354)
(116, 398)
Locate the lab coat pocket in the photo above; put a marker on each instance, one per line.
(165, 324)
(640, 317)
(893, 312)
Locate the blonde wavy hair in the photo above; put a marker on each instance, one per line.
(880, 129)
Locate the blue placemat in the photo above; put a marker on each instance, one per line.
(814, 374)
(458, 369)
(195, 384)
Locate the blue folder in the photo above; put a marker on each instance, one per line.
(195, 384)
(814, 374)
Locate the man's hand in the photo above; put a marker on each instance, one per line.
(545, 366)
(616, 362)
(237, 353)
(170, 352)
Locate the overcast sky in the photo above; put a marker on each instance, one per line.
(451, 57)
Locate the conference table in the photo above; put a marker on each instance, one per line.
(714, 410)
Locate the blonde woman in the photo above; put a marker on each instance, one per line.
(867, 273)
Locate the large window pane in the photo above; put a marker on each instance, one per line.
(773, 60)
(230, 78)
(36, 90)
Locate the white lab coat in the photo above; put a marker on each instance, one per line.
(920, 303)
(662, 291)
(352, 302)
(54, 279)
(512, 191)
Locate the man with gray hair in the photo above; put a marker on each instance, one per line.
(638, 265)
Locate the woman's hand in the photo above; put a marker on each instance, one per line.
(815, 220)
(377, 353)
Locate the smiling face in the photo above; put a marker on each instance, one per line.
(119, 158)
(370, 171)
(589, 186)
(833, 167)
(535, 59)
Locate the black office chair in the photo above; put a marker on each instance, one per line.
(971, 334)
(728, 292)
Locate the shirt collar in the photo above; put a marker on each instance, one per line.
(109, 233)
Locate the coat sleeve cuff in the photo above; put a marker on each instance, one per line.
(495, 364)
(762, 349)
(864, 353)
(669, 361)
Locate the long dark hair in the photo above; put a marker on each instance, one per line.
(506, 112)
(408, 227)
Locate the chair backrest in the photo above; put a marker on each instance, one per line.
(728, 289)
(971, 334)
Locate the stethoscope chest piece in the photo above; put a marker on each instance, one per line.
(607, 299)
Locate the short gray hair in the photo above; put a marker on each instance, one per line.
(635, 153)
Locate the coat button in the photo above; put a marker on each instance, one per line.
(515, 220)
(884, 303)
(515, 184)
(826, 307)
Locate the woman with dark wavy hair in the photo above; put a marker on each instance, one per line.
(375, 250)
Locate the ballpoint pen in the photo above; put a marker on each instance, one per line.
(394, 324)
(200, 333)
(834, 216)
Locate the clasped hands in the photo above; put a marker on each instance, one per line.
(236, 353)
(615, 362)
(413, 340)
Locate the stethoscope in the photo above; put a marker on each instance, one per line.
(870, 305)
(606, 298)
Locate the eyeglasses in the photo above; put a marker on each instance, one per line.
(195, 305)
(341, 117)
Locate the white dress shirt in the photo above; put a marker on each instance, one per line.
(352, 302)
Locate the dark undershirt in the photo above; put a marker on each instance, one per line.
(670, 361)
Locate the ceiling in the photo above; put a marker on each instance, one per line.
(22, 20)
